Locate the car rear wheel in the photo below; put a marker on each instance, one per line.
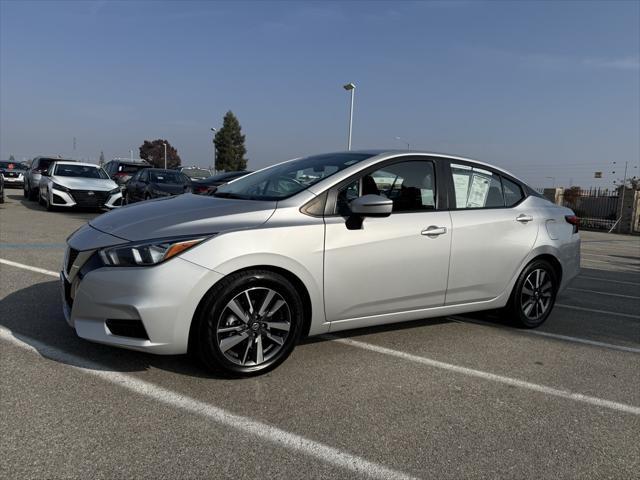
(249, 324)
(33, 194)
(533, 296)
(25, 192)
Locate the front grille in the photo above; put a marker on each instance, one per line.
(10, 174)
(85, 199)
(127, 328)
(71, 257)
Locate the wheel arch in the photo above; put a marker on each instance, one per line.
(297, 283)
(553, 261)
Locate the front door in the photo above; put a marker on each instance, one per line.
(390, 265)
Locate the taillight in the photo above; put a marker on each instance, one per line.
(200, 189)
(573, 220)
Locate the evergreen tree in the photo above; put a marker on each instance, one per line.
(153, 152)
(101, 158)
(229, 142)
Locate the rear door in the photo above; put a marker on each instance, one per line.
(493, 231)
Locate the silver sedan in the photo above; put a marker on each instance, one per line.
(314, 245)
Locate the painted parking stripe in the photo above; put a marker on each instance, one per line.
(593, 310)
(260, 430)
(29, 267)
(556, 392)
(557, 336)
(621, 282)
(603, 293)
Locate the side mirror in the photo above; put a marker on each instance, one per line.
(368, 206)
(372, 206)
(44, 173)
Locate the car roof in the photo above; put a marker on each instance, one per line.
(71, 162)
(375, 153)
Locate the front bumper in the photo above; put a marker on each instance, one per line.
(60, 198)
(163, 298)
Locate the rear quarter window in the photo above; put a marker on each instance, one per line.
(513, 193)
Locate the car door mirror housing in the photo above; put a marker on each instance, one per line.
(371, 206)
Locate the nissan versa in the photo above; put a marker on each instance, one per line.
(313, 245)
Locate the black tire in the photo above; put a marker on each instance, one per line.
(40, 199)
(47, 204)
(33, 194)
(125, 199)
(147, 197)
(25, 192)
(210, 318)
(530, 305)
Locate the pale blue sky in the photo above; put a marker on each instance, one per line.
(540, 88)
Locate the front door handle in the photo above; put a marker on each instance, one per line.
(434, 231)
(522, 218)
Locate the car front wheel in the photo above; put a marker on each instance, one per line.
(533, 296)
(249, 324)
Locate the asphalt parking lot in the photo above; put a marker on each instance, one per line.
(456, 397)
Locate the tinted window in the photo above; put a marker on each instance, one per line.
(287, 179)
(476, 187)
(167, 176)
(411, 186)
(512, 192)
(83, 171)
(144, 176)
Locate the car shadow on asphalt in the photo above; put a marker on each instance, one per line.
(34, 316)
(81, 213)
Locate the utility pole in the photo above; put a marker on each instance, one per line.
(165, 156)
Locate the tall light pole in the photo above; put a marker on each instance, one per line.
(214, 130)
(165, 155)
(350, 87)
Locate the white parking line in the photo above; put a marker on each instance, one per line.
(621, 282)
(567, 338)
(258, 429)
(577, 397)
(593, 310)
(604, 293)
(29, 267)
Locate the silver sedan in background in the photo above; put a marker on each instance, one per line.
(314, 245)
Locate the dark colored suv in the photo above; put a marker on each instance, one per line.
(121, 170)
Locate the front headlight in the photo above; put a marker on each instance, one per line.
(59, 187)
(114, 191)
(147, 253)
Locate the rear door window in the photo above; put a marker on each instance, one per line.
(512, 192)
(476, 187)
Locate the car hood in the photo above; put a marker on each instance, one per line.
(186, 214)
(174, 188)
(80, 183)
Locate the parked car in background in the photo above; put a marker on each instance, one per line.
(209, 185)
(13, 173)
(155, 182)
(195, 173)
(75, 184)
(121, 170)
(32, 176)
(323, 243)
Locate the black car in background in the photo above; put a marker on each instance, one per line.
(122, 170)
(209, 185)
(154, 183)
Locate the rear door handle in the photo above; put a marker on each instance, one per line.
(522, 218)
(434, 231)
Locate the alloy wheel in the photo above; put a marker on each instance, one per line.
(253, 326)
(537, 294)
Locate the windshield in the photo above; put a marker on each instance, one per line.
(167, 177)
(286, 179)
(196, 172)
(84, 171)
(12, 166)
